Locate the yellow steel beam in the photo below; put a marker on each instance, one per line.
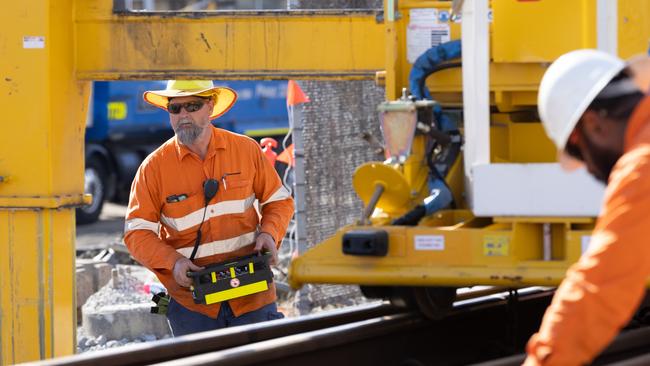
(213, 44)
(41, 165)
(452, 249)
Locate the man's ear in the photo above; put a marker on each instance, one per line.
(596, 127)
(591, 123)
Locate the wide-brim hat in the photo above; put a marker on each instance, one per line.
(224, 97)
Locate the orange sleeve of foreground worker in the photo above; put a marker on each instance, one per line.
(602, 291)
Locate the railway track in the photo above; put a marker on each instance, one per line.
(483, 328)
(630, 348)
(370, 334)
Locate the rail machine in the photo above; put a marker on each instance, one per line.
(516, 218)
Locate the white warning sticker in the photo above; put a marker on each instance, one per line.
(420, 37)
(584, 243)
(429, 242)
(33, 42)
(423, 16)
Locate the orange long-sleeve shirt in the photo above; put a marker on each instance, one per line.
(160, 228)
(603, 289)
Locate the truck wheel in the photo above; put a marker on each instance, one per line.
(95, 184)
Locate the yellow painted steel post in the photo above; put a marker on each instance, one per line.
(393, 63)
(41, 165)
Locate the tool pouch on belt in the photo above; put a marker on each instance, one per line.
(231, 279)
(162, 302)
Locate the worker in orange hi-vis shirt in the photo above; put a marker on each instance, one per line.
(595, 109)
(168, 206)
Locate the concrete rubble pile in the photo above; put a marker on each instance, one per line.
(119, 313)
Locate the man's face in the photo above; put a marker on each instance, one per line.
(189, 126)
(598, 142)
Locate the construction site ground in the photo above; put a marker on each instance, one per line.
(113, 296)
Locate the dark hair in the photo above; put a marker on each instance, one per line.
(619, 107)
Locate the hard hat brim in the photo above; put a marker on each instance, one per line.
(226, 97)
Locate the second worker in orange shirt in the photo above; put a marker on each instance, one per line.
(167, 206)
(595, 108)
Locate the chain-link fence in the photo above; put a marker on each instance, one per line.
(339, 113)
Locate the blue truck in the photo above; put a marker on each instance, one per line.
(122, 129)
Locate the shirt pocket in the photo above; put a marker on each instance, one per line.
(185, 214)
(236, 196)
(237, 189)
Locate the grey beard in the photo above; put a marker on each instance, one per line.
(187, 135)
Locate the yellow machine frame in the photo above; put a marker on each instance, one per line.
(453, 247)
(53, 49)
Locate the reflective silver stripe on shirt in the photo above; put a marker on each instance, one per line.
(220, 246)
(213, 210)
(141, 224)
(281, 194)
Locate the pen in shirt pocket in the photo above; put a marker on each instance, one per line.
(176, 198)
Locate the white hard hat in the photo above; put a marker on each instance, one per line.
(569, 86)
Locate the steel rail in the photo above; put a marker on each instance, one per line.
(292, 338)
(367, 342)
(145, 353)
(280, 349)
(631, 347)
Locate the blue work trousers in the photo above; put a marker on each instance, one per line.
(183, 321)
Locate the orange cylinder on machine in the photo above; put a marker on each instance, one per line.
(268, 144)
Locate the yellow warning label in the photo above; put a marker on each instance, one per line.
(496, 245)
(117, 110)
(232, 293)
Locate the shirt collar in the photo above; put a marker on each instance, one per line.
(640, 117)
(217, 141)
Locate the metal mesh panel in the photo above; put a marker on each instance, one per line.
(338, 114)
(334, 121)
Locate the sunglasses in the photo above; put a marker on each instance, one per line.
(175, 108)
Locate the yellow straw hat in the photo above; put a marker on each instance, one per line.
(224, 97)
